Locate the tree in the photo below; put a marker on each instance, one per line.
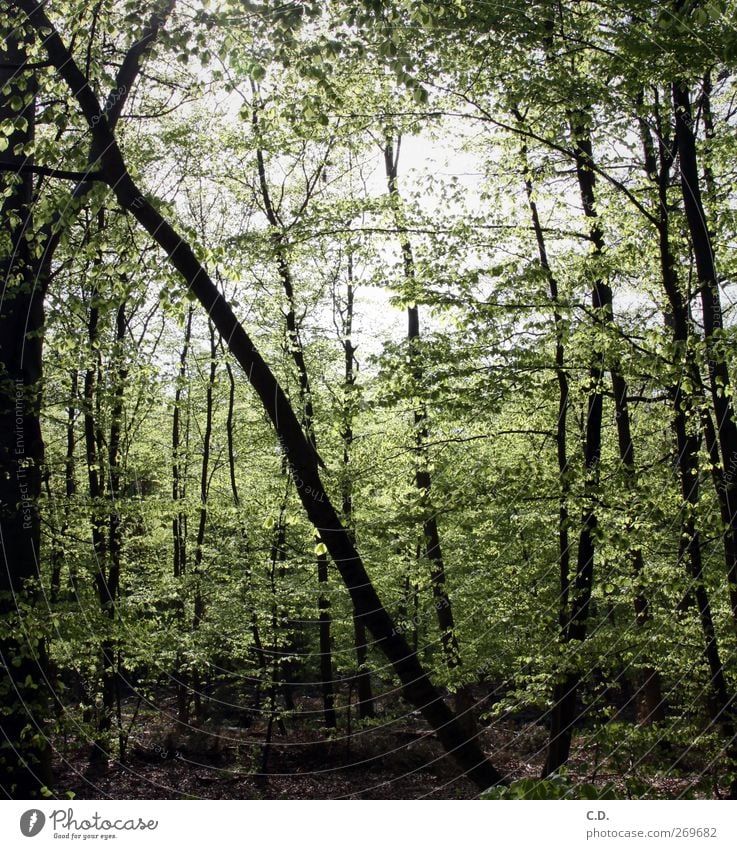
(515, 458)
(302, 458)
(24, 751)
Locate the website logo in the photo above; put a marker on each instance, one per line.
(31, 822)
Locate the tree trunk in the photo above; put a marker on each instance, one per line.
(197, 569)
(687, 439)
(179, 482)
(112, 650)
(363, 675)
(719, 380)
(179, 522)
(326, 663)
(229, 429)
(431, 548)
(564, 554)
(296, 351)
(91, 393)
(278, 555)
(70, 477)
(24, 750)
(563, 714)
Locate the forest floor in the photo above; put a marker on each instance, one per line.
(397, 758)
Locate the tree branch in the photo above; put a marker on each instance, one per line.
(116, 99)
(60, 173)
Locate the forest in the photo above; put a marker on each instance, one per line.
(366, 414)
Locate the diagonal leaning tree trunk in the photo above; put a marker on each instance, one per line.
(303, 460)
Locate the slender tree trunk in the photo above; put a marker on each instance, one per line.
(658, 166)
(649, 691)
(106, 531)
(326, 663)
(179, 522)
(719, 379)
(278, 556)
(24, 686)
(60, 527)
(707, 116)
(178, 487)
(229, 432)
(564, 553)
(95, 477)
(199, 604)
(431, 547)
(686, 430)
(565, 693)
(296, 351)
(229, 429)
(197, 568)
(363, 675)
(56, 545)
(304, 460)
(720, 701)
(112, 651)
(70, 477)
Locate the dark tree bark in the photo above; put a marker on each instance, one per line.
(106, 529)
(24, 685)
(326, 654)
(302, 457)
(564, 552)
(431, 547)
(363, 675)
(277, 558)
(111, 650)
(564, 705)
(687, 415)
(719, 379)
(200, 604)
(649, 689)
(70, 476)
(199, 600)
(565, 693)
(230, 434)
(178, 476)
(95, 478)
(179, 492)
